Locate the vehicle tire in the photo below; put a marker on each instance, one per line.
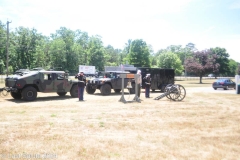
(74, 91)
(61, 93)
(89, 89)
(117, 90)
(16, 95)
(29, 93)
(215, 88)
(132, 90)
(153, 90)
(226, 88)
(105, 89)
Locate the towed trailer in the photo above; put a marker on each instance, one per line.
(160, 77)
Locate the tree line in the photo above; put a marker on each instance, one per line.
(67, 49)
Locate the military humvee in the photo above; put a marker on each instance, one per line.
(106, 81)
(25, 86)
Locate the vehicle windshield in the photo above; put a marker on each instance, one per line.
(221, 80)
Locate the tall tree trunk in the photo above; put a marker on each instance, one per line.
(200, 79)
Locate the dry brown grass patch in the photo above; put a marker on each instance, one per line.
(205, 125)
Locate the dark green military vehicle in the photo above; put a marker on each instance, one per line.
(106, 81)
(25, 86)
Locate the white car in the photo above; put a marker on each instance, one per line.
(211, 75)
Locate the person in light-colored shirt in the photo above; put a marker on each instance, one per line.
(139, 83)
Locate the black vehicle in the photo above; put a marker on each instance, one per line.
(106, 81)
(160, 78)
(225, 83)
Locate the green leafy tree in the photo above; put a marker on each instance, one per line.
(170, 60)
(40, 57)
(222, 60)
(68, 36)
(112, 56)
(26, 43)
(82, 39)
(139, 53)
(3, 40)
(57, 53)
(233, 66)
(96, 53)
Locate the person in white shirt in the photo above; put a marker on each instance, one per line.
(139, 83)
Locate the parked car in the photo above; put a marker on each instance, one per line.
(225, 83)
(211, 75)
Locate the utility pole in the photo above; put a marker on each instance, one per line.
(7, 44)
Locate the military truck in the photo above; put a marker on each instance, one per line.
(25, 86)
(106, 81)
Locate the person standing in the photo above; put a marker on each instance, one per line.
(81, 85)
(139, 83)
(147, 82)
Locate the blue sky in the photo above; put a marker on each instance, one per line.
(160, 23)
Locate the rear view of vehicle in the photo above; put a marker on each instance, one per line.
(224, 83)
(26, 85)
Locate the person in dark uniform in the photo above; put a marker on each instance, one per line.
(81, 85)
(147, 82)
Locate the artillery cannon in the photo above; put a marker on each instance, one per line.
(175, 92)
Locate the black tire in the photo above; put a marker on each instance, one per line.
(16, 95)
(29, 93)
(117, 90)
(61, 93)
(215, 88)
(226, 88)
(105, 89)
(89, 89)
(74, 91)
(153, 90)
(132, 90)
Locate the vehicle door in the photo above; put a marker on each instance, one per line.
(47, 83)
(232, 84)
(59, 82)
(116, 81)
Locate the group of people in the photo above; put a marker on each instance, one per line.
(146, 80)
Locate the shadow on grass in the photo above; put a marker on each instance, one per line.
(39, 99)
(111, 94)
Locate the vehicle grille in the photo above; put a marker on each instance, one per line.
(10, 82)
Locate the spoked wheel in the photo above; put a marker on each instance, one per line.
(178, 92)
(167, 89)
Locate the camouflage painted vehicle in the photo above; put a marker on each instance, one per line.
(106, 81)
(25, 86)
